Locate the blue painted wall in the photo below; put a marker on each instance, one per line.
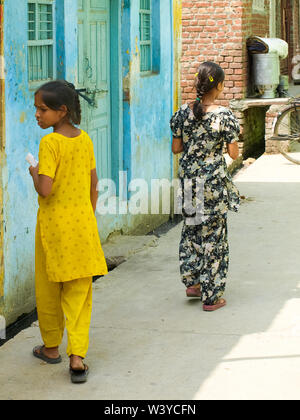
(23, 136)
(146, 110)
(142, 106)
(150, 102)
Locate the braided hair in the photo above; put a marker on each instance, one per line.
(208, 77)
(57, 93)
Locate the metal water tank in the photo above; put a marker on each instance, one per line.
(266, 74)
(266, 53)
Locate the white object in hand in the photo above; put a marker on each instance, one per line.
(31, 160)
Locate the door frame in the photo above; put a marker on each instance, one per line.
(286, 32)
(116, 88)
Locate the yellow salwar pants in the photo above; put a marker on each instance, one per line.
(62, 304)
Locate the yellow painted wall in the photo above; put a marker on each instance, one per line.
(177, 32)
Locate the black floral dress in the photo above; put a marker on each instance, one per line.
(203, 249)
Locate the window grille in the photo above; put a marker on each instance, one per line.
(40, 40)
(145, 35)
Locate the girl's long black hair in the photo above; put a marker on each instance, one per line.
(208, 77)
(58, 93)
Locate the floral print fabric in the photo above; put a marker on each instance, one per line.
(204, 257)
(203, 250)
(203, 158)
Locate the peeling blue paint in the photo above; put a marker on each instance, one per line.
(149, 106)
(141, 108)
(23, 136)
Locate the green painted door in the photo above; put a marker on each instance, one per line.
(94, 76)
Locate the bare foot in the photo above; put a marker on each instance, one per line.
(76, 362)
(220, 301)
(51, 352)
(193, 291)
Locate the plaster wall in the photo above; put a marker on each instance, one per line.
(22, 135)
(143, 111)
(146, 110)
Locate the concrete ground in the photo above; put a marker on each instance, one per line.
(148, 341)
(294, 90)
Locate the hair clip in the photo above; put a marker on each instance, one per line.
(198, 99)
(211, 78)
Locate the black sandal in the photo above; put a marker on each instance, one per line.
(79, 376)
(38, 352)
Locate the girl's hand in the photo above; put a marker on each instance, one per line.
(42, 183)
(233, 150)
(94, 191)
(34, 170)
(177, 145)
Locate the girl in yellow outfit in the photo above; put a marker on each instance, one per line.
(68, 251)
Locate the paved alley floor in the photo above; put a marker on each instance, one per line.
(148, 341)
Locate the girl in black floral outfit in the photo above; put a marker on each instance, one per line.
(199, 132)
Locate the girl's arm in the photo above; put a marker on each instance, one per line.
(94, 192)
(177, 145)
(42, 183)
(233, 150)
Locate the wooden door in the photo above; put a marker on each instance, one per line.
(286, 34)
(94, 76)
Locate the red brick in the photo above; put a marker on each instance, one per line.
(217, 30)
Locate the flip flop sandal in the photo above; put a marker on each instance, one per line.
(43, 357)
(215, 306)
(79, 376)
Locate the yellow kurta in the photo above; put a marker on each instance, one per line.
(68, 226)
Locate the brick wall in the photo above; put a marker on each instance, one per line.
(217, 31)
(271, 146)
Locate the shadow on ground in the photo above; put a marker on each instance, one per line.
(149, 342)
